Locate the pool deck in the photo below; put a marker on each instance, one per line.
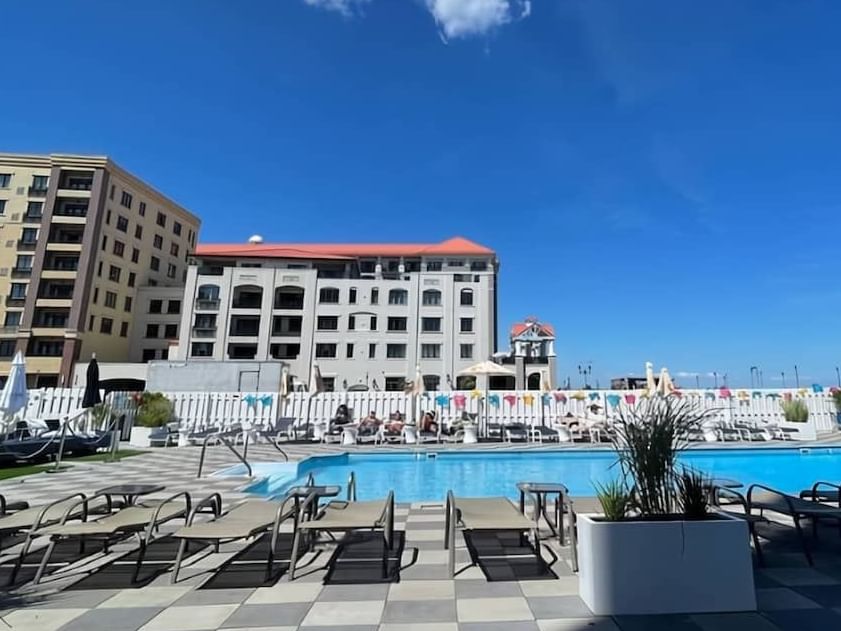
(96, 597)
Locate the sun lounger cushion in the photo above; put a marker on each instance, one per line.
(128, 519)
(24, 519)
(491, 513)
(347, 516)
(243, 520)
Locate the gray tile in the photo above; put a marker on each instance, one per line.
(656, 623)
(128, 619)
(782, 598)
(214, 597)
(484, 589)
(71, 599)
(559, 607)
(425, 571)
(824, 595)
(733, 622)
(522, 625)
(420, 611)
(805, 619)
(342, 627)
(337, 593)
(284, 614)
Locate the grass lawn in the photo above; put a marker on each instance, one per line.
(28, 469)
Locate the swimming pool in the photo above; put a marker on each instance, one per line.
(418, 477)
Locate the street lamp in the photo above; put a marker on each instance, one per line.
(796, 377)
(838, 376)
(585, 371)
(754, 370)
(783, 375)
(697, 381)
(715, 376)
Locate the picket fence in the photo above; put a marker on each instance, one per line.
(198, 410)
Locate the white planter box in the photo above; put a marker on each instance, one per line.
(140, 436)
(634, 567)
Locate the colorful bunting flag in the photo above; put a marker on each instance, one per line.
(475, 394)
(560, 397)
(756, 394)
(459, 400)
(630, 399)
(594, 396)
(493, 399)
(614, 400)
(725, 393)
(510, 399)
(528, 399)
(545, 398)
(578, 396)
(817, 388)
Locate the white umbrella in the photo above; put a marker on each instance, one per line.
(316, 385)
(487, 369)
(650, 385)
(665, 386)
(417, 389)
(14, 396)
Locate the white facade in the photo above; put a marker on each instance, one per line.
(157, 318)
(365, 319)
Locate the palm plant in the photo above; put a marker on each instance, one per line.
(693, 490)
(648, 438)
(614, 498)
(795, 411)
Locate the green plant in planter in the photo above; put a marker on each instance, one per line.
(614, 498)
(154, 410)
(648, 438)
(693, 493)
(102, 415)
(836, 399)
(795, 411)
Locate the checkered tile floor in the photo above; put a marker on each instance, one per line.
(94, 595)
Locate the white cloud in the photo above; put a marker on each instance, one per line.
(345, 7)
(465, 18)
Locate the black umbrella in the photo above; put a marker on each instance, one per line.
(91, 396)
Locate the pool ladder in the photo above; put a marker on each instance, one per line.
(223, 437)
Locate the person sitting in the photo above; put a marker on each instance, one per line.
(342, 416)
(395, 422)
(369, 424)
(428, 423)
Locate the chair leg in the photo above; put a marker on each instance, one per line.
(296, 541)
(179, 558)
(43, 565)
(760, 558)
(140, 556)
(19, 562)
(803, 541)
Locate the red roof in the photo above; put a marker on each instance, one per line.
(454, 246)
(520, 327)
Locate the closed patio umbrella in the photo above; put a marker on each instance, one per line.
(487, 369)
(417, 390)
(91, 396)
(14, 395)
(316, 385)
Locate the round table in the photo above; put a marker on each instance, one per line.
(541, 490)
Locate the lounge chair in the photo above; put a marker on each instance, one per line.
(344, 517)
(826, 492)
(540, 433)
(767, 499)
(723, 497)
(483, 514)
(246, 519)
(515, 432)
(10, 507)
(139, 518)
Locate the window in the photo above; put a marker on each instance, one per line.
(395, 351)
(123, 329)
(395, 384)
(34, 210)
(108, 217)
(352, 296)
(351, 323)
(398, 297)
(329, 383)
(40, 182)
(126, 199)
(135, 255)
(142, 209)
(152, 330)
(17, 291)
(158, 242)
(328, 323)
(466, 351)
(431, 298)
(24, 263)
(122, 223)
(155, 263)
(431, 351)
(7, 348)
(119, 248)
(208, 292)
(289, 298)
(5, 178)
(12, 318)
(285, 351)
(397, 324)
(466, 325)
(173, 307)
(156, 306)
(173, 249)
(325, 351)
(176, 228)
(90, 323)
(161, 220)
(328, 295)
(149, 354)
(372, 350)
(111, 192)
(431, 325)
(110, 299)
(2, 206)
(171, 270)
(466, 297)
(202, 349)
(127, 303)
(131, 277)
(95, 294)
(349, 351)
(455, 263)
(104, 242)
(375, 296)
(433, 266)
(478, 266)
(138, 231)
(373, 323)
(431, 383)
(105, 325)
(171, 331)
(114, 273)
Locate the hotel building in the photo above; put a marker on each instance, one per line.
(365, 313)
(79, 237)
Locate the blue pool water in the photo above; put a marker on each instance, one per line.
(416, 477)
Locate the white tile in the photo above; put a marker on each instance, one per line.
(493, 609)
(470, 573)
(261, 628)
(146, 597)
(422, 590)
(418, 626)
(285, 593)
(420, 517)
(40, 619)
(562, 586)
(432, 557)
(190, 618)
(432, 534)
(345, 613)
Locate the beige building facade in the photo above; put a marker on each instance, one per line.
(79, 238)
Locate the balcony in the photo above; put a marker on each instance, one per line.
(204, 331)
(15, 301)
(27, 246)
(9, 330)
(37, 191)
(76, 181)
(71, 208)
(21, 272)
(32, 217)
(207, 304)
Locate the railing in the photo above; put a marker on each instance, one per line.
(37, 192)
(351, 487)
(207, 304)
(32, 217)
(21, 272)
(26, 245)
(15, 300)
(220, 436)
(200, 331)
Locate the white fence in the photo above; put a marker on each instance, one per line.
(197, 410)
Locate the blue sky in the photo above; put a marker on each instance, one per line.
(660, 179)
